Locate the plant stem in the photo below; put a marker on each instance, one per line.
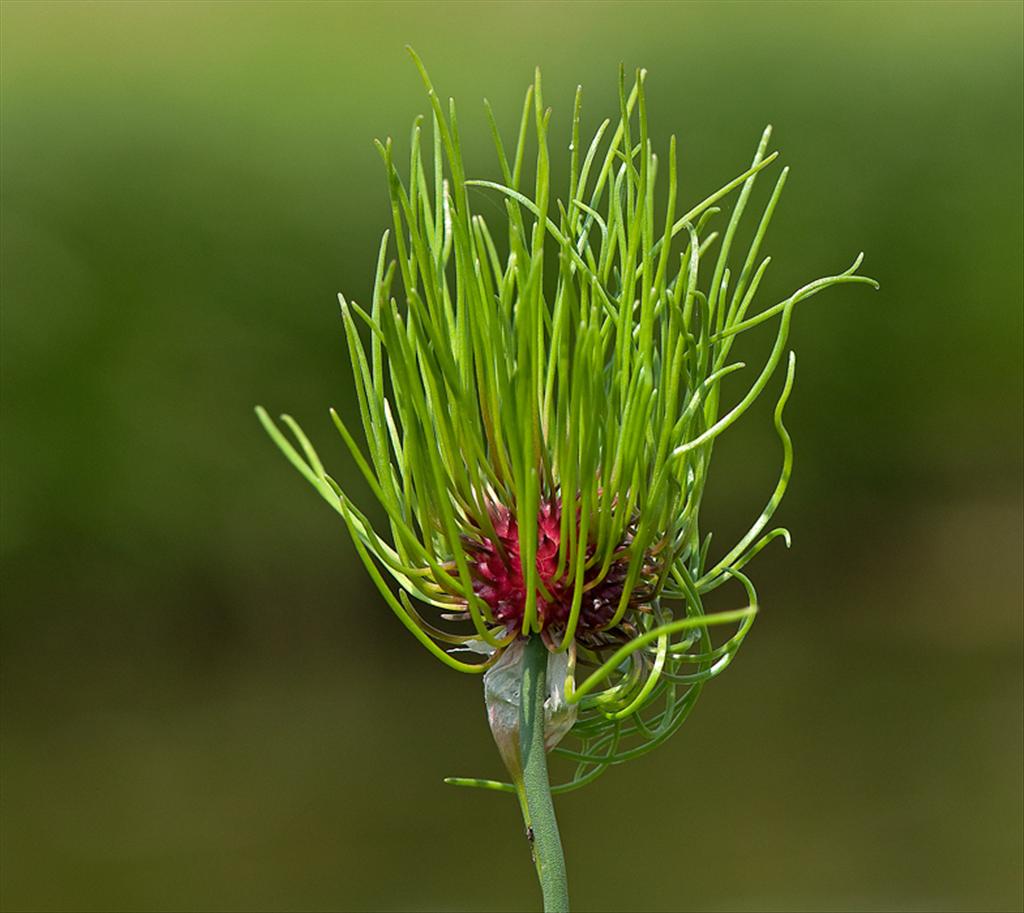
(539, 811)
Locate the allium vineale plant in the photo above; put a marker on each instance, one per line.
(538, 419)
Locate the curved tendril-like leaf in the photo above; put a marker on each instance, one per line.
(773, 358)
(399, 609)
(807, 291)
(780, 487)
(747, 556)
(574, 693)
(652, 680)
(479, 783)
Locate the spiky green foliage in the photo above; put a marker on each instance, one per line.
(584, 364)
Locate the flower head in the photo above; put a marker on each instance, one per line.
(539, 414)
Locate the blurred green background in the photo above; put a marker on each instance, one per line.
(205, 704)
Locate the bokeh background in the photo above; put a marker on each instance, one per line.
(205, 704)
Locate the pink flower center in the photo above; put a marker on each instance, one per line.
(499, 582)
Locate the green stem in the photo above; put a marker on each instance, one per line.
(539, 811)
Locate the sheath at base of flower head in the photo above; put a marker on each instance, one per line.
(539, 419)
(502, 684)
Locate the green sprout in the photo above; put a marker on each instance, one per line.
(539, 411)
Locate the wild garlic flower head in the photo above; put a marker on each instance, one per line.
(539, 409)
